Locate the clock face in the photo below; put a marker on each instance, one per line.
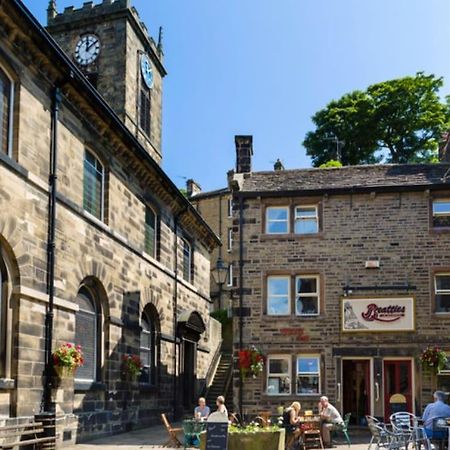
(147, 71)
(87, 49)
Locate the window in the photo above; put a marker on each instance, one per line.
(148, 350)
(230, 239)
(6, 117)
(441, 213)
(307, 295)
(442, 293)
(308, 375)
(187, 261)
(4, 319)
(94, 183)
(87, 334)
(230, 276)
(277, 220)
(306, 220)
(230, 207)
(278, 303)
(150, 232)
(144, 110)
(278, 375)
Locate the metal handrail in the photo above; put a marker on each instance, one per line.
(212, 369)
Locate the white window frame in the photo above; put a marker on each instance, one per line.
(186, 242)
(102, 202)
(287, 358)
(298, 217)
(268, 209)
(230, 207)
(440, 291)
(445, 371)
(282, 277)
(156, 231)
(230, 275)
(439, 214)
(316, 294)
(297, 373)
(230, 240)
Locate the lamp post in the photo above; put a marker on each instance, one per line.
(219, 273)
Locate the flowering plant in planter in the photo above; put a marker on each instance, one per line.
(132, 365)
(67, 358)
(433, 357)
(251, 362)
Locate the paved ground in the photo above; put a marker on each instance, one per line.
(155, 437)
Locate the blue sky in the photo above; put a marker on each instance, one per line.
(264, 67)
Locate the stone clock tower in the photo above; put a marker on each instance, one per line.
(110, 44)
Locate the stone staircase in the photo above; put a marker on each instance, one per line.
(220, 381)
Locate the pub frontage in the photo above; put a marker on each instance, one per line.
(343, 282)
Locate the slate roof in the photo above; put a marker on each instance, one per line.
(355, 178)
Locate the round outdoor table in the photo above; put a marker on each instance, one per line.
(192, 429)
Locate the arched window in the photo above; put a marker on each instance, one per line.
(87, 326)
(149, 348)
(4, 283)
(93, 185)
(6, 107)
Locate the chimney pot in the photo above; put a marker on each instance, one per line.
(192, 188)
(244, 153)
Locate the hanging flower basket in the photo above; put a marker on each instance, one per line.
(251, 362)
(131, 367)
(66, 359)
(433, 358)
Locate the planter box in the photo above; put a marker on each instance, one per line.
(267, 440)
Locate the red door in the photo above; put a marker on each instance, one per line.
(397, 387)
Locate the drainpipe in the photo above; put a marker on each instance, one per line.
(48, 405)
(175, 307)
(241, 295)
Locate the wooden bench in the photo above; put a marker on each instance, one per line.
(37, 434)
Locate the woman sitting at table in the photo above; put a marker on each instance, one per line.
(201, 411)
(291, 420)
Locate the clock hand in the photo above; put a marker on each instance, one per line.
(89, 46)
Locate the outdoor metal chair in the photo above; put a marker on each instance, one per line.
(439, 431)
(343, 428)
(383, 438)
(403, 425)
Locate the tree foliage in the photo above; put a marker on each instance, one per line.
(395, 121)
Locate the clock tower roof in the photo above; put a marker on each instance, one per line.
(90, 13)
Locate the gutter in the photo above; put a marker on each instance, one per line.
(241, 296)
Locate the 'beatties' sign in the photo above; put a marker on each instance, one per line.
(378, 314)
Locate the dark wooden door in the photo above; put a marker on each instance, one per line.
(397, 385)
(189, 374)
(356, 393)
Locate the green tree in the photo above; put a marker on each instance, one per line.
(331, 164)
(397, 120)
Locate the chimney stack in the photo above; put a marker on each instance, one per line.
(444, 148)
(244, 153)
(192, 188)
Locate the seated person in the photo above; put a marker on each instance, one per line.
(330, 420)
(291, 416)
(220, 403)
(201, 411)
(434, 410)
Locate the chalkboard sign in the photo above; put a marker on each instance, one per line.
(216, 435)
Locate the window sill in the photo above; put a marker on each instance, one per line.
(7, 384)
(439, 230)
(89, 386)
(293, 316)
(290, 236)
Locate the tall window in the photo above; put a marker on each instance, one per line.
(6, 107)
(279, 375)
(230, 275)
(87, 334)
(230, 239)
(148, 350)
(187, 261)
(150, 231)
(306, 219)
(4, 278)
(230, 207)
(144, 110)
(441, 213)
(277, 220)
(278, 303)
(442, 292)
(308, 375)
(94, 185)
(307, 295)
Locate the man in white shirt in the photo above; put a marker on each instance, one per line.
(330, 419)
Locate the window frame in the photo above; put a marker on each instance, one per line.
(298, 218)
(268, 222)
(188, 244)
(155, 236)
(230, 207)
(289, 295)
(230, 240)
(318, 374)
(9, 151)
(433, 214)
(103, 185)
(230, 275)
(97, 357)
(146, 93)
(153, 350)
(307, 295)
(440, 292)
(287, 358)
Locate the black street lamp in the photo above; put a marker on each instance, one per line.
(219, 273)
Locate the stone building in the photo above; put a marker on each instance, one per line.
(342, 280)
(97, 245)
